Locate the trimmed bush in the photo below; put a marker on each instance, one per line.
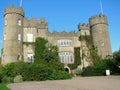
(18, 79)
(59, 75)
(6, 79)
(90, 71)
(79, 72)
(13, 69)
(34, 71)
(99, 68)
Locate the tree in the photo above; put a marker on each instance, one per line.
(40, 48)
(117, 55)
(51, 53)
(45, 51)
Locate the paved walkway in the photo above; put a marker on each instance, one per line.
(77, 83)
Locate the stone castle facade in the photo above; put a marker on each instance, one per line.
(19, 30)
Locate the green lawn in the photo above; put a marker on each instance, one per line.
(3, 87)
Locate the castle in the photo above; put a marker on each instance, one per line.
(19, 30)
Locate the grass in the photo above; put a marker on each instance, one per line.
(3, 87)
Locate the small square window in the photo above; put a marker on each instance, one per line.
(30, 58)
(30, 37)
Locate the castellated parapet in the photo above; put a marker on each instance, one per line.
(11, 9)
(83, 26)
(63, 34)
(98, 19)
(34, 23)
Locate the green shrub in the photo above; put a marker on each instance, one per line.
(100, 67)
(7, 79)
(56, 65)
(79, 72)
(90, 71)
(18, 79)
(58, 75)
(13, 69)
(0, 77)
(8, 70)
(109, 64)
(34, 72)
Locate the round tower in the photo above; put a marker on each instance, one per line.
(100, 34)
(13, 33)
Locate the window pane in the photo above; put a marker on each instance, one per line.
(4, 37)
(19, 36)
(64, 42)
(30, 37)
(66, 57)
(5, 22)
(19, 22)
(30, 58)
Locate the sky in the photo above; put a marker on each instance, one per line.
(65, 15)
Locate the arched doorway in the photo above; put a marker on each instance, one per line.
(67, 69)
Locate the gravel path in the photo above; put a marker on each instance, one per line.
(77, 83)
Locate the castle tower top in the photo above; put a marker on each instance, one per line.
(98, 19)
(11, 9)
(83, 26)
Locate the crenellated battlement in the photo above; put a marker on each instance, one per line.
(98, 19)
(11, 9)
(35, 23)
(83, 26)
(63, 34)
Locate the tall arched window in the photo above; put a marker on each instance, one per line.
(66, 57)
(19, 22)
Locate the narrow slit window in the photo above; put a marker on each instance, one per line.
(4, 37)
(5, 22)
(19, 37)
(19, 22)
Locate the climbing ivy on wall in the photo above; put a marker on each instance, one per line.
(93, 50)
(87, 39)
(77, 58)
(40, 47)
(28, 43)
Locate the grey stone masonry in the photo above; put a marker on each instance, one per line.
(100, 34)
(18, 30)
